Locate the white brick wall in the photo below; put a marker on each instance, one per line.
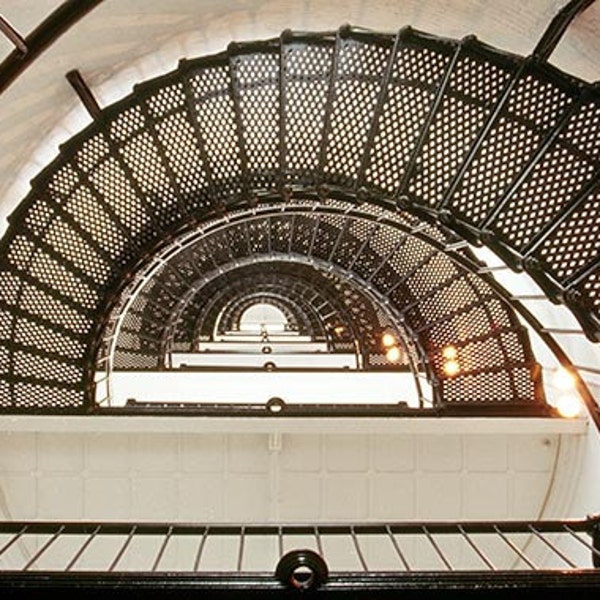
(244, 477)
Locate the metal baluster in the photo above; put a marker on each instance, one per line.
(423, 134)
(560, 331)
(529, 167)
(123, 549)
(406, 276)
(520, 298)
(515, 549)
(13, 35)
(579, 200)
(292, 232)
(234, 91)
(159, 147)
(487, 269)
(587, 369)
(482, 135)
(359, 553)
(473, 545)
(240, 559)
(200, 549)
(314, 235)
(365, 243)
(43, 549)
(595, 551)
(382, 96)
(162, 549)
(582, 274)
(13, 540)
(397, 548)
(387, 258)
(319, 541)
(342, 231)
(280, 541)
(437, 548)
(552, 547)
(190, 101)
(329, 104)
(83, 548)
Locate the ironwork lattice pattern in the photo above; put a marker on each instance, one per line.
(500, 149)
(431, 301)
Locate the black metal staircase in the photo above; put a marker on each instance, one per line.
(495, 148)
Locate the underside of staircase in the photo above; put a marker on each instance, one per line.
(451, 140)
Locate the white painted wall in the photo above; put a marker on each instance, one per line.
(283, 478)
(262, 477)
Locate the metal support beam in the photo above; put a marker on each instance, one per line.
(82, 89)
(13, 35)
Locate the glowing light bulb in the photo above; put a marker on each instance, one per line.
(568, 406)
(451, 368)
(339, 330)
(450, 353)
(393, 354)
(388, 340)
(563, 380)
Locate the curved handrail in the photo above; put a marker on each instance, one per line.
(42, 37)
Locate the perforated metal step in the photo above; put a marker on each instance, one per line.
(497, 148)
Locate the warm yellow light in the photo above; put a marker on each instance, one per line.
(393, 354)
(451, 368)
(563, 380)
(568, 406)
(339, 330)
(388, 340)
(449, 352)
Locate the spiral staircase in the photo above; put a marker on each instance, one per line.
(349, 177)
(467, 142)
